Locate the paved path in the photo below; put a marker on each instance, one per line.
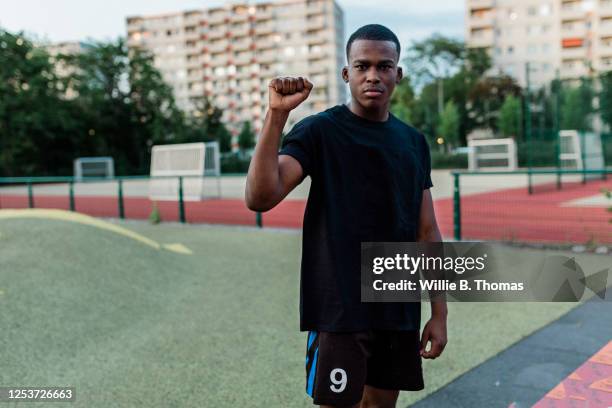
(523, 374)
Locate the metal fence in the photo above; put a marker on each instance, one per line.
(562, 206)
(125, 197)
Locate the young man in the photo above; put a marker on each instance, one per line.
(370, 180)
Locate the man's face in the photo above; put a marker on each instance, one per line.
(372, 72)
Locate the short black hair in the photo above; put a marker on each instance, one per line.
(374, 32)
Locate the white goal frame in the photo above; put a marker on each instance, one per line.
(105, 168)
(476, 154)
(197, 163)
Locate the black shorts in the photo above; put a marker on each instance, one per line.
(338, 365)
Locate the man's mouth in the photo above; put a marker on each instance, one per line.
(373, 92)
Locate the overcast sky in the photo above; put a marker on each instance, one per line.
(71, 20)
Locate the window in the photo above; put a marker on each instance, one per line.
(545, 9)
(532, 49)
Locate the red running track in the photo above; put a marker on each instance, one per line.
(509, 214)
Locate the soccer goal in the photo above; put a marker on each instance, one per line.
(198, 163)
(94, 167)
(492, 154)
(581, 151)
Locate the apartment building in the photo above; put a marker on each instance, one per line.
(571, 36)
(230, 53)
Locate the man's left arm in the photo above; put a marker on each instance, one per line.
(435, 329)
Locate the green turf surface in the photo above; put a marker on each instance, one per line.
(132, 326)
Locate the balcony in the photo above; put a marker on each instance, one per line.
(216, 18)
(216, 34)
(317, 39)
(481, 38)
(572, 11)
(605, 49)
(605, 28)
(242, 45)
(219, 60)
(241, 31)
(482, 21)
(192, 34)
(239, 18)
(605, 8)
(267, 73)
(262, 15)
(577, 29)
(264, 28)
(480, 4)
(317, 53)
(243, 58)
(267, 57)
(572, 71)
(316, 8)
(218, 46)
(317, 23)
(265, 42)
(573, 53)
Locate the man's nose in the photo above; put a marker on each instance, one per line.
(372, 75)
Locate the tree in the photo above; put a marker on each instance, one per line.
(577, 107)
(246, 138)
(126, 104)
(402, 100)
(487, 96)
(510, 117)
(605, 98)
(38, 127)
(449, 124)
(433, 59)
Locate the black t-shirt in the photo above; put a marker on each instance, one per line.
(367, 182)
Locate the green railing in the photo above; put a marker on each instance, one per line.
(529, 185)
(29, 182)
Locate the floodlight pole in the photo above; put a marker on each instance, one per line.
(120, 198)
(528, 127)
(30, 195)
(557, 126)
(181, 201)
(71, 194)
(456, 207)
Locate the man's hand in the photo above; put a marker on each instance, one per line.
(287, 93)
(434, 332)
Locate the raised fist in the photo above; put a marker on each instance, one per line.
(287, 93)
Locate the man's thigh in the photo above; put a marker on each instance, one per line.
(336, 368)
(394, 362)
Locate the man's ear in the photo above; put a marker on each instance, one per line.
(345, 75)
(400, 75)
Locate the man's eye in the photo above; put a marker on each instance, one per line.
(385, 67)
(360, 67)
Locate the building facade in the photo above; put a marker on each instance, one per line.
(230, 53)
(573, 37)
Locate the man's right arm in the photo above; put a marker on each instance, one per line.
(272, 176)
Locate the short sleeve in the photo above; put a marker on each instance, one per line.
(426, 156)
(299, 144)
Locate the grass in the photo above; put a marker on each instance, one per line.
(132, 326)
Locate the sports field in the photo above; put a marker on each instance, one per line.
(136, 315)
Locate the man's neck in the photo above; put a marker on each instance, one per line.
(374, 115)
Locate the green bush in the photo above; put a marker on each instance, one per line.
(155, 216)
